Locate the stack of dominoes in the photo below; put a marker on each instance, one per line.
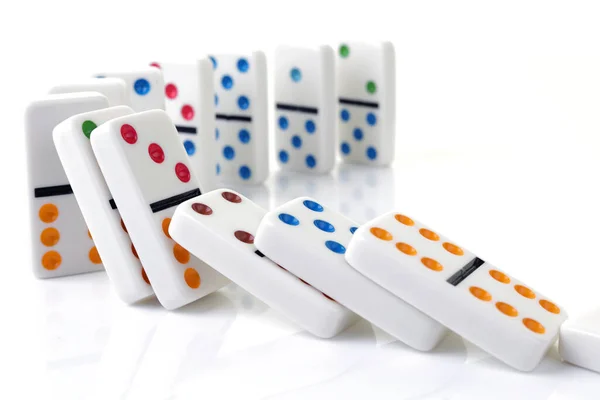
(159, 227)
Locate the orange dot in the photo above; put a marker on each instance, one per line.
(534, 326)
(499, 276)
(431, 235)
(192, 278)
(406, 249)
(50, 236)
(165, 227)
(51, 260)
(181, 254)
(525, 292)
(480, 293)
(432, 264)
(94, 256)
(134, 251)
(404, 220)
(454, 249)
(145, 277)
(89, 234)
(123, 225)
(381, 234)
(550, 307)
(48, 213)
(507, 309)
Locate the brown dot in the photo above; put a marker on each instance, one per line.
(245, 237)
(48, 213)
(534, 326)
(507, 309)
(145, 277)
(382, 234)
(181, 254)
(123, 225)
(49, 237)
(231, 197)
(499, 276)
(403, 219)
(432, 264)
(329, 298)
(90, 234)
(406, 249)
(454, 249)
(431, 235)
(51, 260)
(94, 256)
(480, 293)
(525, 292)
(134, 251)
(550, 307)
(165, 227)
(202, 209)
(192, 278)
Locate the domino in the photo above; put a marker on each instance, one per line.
(219, 227)
(147, 171)
(113, 88)
(305, 108)
(60, 240)
(494, 311)
(366, 89)
(579, 342)
(310, 241)
(145, 87)
(72, 142)
(189, 94)
(241, 113)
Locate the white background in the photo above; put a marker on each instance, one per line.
(498, 141)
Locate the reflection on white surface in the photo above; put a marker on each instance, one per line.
(290, 185)
(260, 194)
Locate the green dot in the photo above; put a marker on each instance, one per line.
(371, 87)
(87, 127)
(344, 51)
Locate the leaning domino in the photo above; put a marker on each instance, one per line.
(579, 342)
(145, 87)
(113, 88)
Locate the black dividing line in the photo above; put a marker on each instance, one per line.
(465, 271)
(186, 129)
(113, 205)
(174, 200)
(49, 191)
(359, 103)
(301, 109)
(258, 253)
(228, 117)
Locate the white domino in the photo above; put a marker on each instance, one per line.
(148, 173)
(60, 241)
(113, 88)
(452, 285)
(72, 141)
(219, 228)
(366, 90)
(310, 241)
(305, 117)
(145, 87)
(579, 342)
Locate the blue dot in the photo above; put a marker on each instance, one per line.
(324, 225)
(228, 152)
(313, 205)
(190, 147)
(311, 161)
(217, 134)
(345, 148)
(245, 172)
(296, 141)
(310, 126)
(100, 76)
(218, 169)
(371, 119)
(141, 86)
(227, 82)
(216, 100)
(371, 153)
(283, 156)
(283, 123)
(358, 134)
(289, 219)
(244, 136)
(335, 247)
(345, 115)
(214, 62)
(296, 75)
(243, 102)
(243, 65)
(353, 229)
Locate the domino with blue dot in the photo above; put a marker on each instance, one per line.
(145, 87)
(366, 91)
(305, 108)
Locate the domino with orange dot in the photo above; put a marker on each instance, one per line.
(148, 173)
(61, 244)
(496, 312)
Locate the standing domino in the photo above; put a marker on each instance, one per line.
(61, 244)
(452, 285)
(241, 103)
(145, 87)
(189, 92)
(146, 169)
(367, 98)
(219, 228)
(305, 108)
(579, 342)
(113, 88)
(72, 141)
(310, 241)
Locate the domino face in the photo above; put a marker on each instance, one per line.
(61, 244)
(579, 342)
(366, 96)
(241, 113)
(113, 88)
(148, 173)
(120, 259)
(145, 87)
(310, 241)
(189, 94)
(472, 297)
(219, 228)
(304, 108)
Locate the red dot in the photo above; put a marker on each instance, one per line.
(156, 153)
(202, 209)
(328, 297)
(183, 173)
(171, 90)
(232, 197)
(244, 236)
(128, 134)
(155, 64)
(187, 112)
